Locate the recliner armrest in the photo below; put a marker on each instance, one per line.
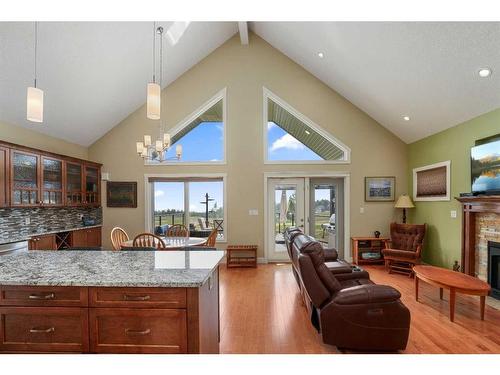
(352, 275)
(330, 255)
(366, 294)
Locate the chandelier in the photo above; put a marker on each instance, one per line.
(148, 150)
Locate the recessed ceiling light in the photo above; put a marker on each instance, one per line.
(484, 72)
(321, 55)
(307, 132)
(406, 118)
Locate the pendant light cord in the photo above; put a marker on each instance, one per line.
(154, 52)
(36, 48)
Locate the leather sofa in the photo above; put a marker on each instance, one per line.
(347, 308)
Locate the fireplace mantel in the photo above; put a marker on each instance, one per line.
(470, 207)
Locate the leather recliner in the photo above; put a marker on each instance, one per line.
(348, 309)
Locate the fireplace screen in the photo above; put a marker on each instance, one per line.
(494, 268)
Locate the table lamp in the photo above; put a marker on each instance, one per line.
(404, 202)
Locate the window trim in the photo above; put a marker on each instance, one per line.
(268, 94)
(221, 95)
(149, 196)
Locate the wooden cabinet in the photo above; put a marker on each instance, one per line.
(87, 237)
(74, 184)
(31, 178)
(109, 319)
(45, 242)
(24, 177)
(92, 186)
(121, 330)
(48, 329)
(4, 177)
(51, 181)
(366, 250)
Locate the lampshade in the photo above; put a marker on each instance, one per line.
(139, 147)
(154, 101)
(178, 151)
(34, 105)
(159, 145)
(166, 140)
(404, 201)
(147, 140)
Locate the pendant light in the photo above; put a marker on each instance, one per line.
(34, 98)
(154, 90)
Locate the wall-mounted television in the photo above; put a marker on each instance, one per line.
(485, 168)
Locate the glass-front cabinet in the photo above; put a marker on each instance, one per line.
(74, 185)
(52, 181)
(25, 184)
(92, 185)
(34, 178)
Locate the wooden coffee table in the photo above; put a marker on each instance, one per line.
(456, 282)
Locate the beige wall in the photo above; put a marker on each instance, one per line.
(244, 70)
(30, 138)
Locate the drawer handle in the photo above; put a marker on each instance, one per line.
(42, 330)
(46, 296)
(126, 297)
(132, 332)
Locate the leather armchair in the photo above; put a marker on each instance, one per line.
(352, 313)
(405, 249)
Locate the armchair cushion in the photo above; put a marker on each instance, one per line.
(394, 253)
(331, 255)
(407, 236)
(364, 294)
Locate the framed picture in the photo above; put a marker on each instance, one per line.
(432, 182)
(380, 189)
(121, 194)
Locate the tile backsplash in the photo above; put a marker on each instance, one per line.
(42, 219)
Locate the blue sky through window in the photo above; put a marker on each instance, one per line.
(203, 143)
(170, 195)
(283, 146)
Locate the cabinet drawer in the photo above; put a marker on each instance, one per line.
(138, 297)
(138, 330)
(49, 329)
(43, 296)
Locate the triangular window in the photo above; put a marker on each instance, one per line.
(292, 137)
(201, 134)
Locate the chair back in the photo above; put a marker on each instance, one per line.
(178, 230)
(211, 239)
(118, 237)
(148, 240)
(409, 237)
(202, 223)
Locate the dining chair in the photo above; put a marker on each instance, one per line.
(178, 230)
(211, 239)
(148, 240)
(118, 237)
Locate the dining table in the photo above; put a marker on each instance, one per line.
(173, 242)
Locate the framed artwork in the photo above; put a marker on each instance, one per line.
(380, 189)
(432, 182)
(121, 194)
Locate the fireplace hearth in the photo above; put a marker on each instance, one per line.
(494, 268)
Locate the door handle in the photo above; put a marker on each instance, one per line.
(127, 297)
(38, 296)
(132, 332)
(42, 330)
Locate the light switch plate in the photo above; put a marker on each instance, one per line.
(253, 212)
(453, 214)
(361, 210)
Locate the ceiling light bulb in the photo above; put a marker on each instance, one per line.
(307, 132)
(321, 55)
(406, 118)
(484, 72)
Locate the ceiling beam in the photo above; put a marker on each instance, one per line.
(243, 28)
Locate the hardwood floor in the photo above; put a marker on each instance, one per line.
(262, 312)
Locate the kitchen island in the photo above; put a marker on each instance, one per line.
(110, 301)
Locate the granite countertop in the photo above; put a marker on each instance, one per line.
(109, 268)
(27, 236)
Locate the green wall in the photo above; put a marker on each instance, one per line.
(443, 241)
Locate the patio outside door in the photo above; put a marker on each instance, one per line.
(286, 208)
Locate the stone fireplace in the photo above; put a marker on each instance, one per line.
(487, 230)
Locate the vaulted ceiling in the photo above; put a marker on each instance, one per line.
(94, 74)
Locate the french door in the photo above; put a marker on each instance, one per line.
(286, 208)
